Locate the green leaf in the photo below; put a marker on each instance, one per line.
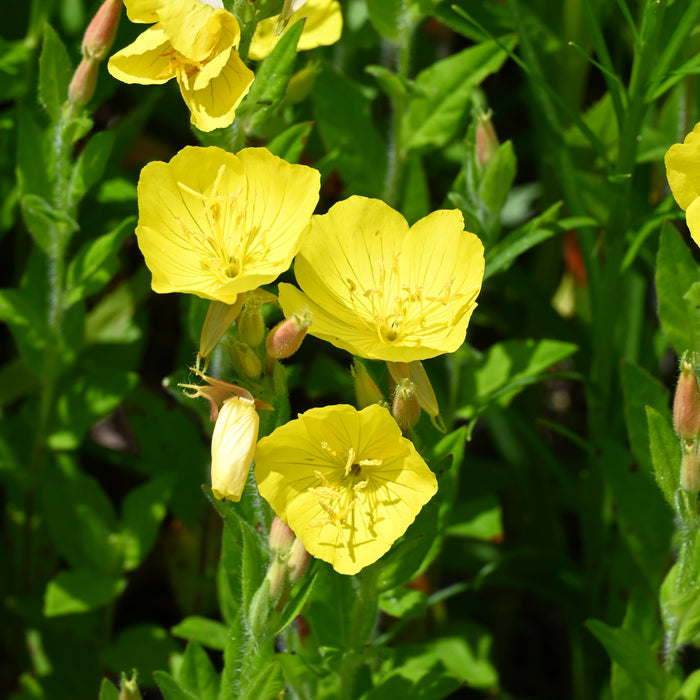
(385, 16)
(197, 673)
(49, 226)
(96, 263)
(403, 603)
(641, 390)
(210, 633)
(55, 72)
(630, 651)
(143, 510)
(345, 124)
(84, 400)
(291, 142)
(501, 256)
(496, 377)
(267, 683)
(676, 272)
(171, 689)
(91, 164)
(295, 604)
(32, 164)
(271, 80)
(690, 690)
(434, 120)
(80, 590)
(478, 518)
(498, 178)
(108, 691)
(665, 455)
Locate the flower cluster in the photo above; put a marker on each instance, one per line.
(219, 225)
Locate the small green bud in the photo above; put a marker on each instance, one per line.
(129, 688)
(251, 324)
(690, 466)
(486, 139)
(244, 359)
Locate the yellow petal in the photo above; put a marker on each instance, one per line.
(233, 446)
(146, 61)
(324, 25)
(214, 105)
(139, 11)
(683, 168)
(347, 482)
(692, 217)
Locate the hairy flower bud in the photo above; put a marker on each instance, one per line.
(250, 323)
(686, 402)
(82, 85)
(366, 390)
(690, 466)
(245, 359)
(99, 36)
(486, 139)
(233, 447)
(404, 407)
(298, 562)
(281, 537)
(286, 337)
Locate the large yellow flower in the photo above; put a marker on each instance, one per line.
(383, 291)
(216, 224)
(324, 25)
(683, 173)
(195, 43)
(346, 481)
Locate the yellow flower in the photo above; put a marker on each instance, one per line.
(346, 481)
(233, 447)
(324, 25)
(216, 224)
(383, 291)
(683, 173)
(195, 43)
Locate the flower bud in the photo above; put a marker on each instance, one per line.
(404, 407)
(219, 318)
(690, 466)
(245, 359)
(82, 85)
(486, 139)
(129, 688)
(366, 390)
(424, 389)
(251, 324)
(99, 36)
(286, 337)
(686, 402)
(298, 562)
(276, 576)
(281, 537)
(288, 9)
(233, 446)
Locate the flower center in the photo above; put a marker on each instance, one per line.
(225, 246)
(345, 493)
(395, 309)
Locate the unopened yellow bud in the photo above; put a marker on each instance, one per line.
(99, 36)
(366, 390)
(233, 447)
(298, 562)
(690, 466)
(219, 318)
(82, 85)
(251, 324)
(686, 402)
(286, 337)
(404, 407)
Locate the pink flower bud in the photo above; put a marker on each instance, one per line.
(82, 86)
(286, 337)
(298, 562)
(99, 36)
(486, 139)
(686, 402)
(281, 537)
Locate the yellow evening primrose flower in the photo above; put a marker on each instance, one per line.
(233, 447)
(346, 481)
(217, 225)
(194, 43)
(683, 173)
(381, 290)
(324, 25)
